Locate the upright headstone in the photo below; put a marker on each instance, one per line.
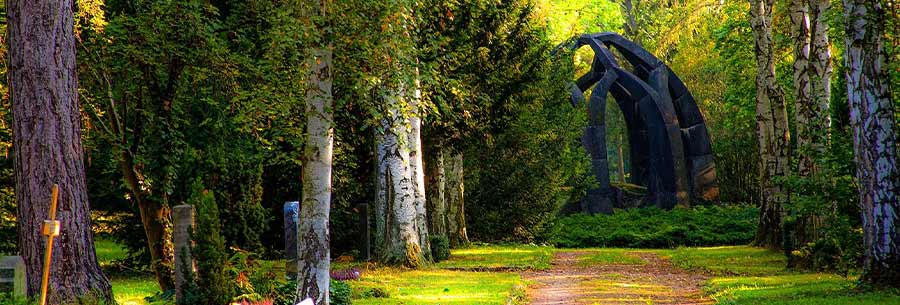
(364, 248)
(291, 220)
(184, 224)
(12, 276)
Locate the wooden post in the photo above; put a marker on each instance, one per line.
(12, 276)
(51, 230)
(184, 225)
(291, 220)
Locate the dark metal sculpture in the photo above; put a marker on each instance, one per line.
(670, 149)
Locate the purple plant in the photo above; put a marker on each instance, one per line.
(345, 274)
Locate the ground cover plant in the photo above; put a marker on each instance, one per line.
(655, 228)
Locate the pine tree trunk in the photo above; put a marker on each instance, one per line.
(48, 150)
(417, 170)
(874, 141)
(314, 255)
(456, 214)
(772, 130)
(396, 231)
(437, 204)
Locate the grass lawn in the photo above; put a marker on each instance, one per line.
(436, 286)
(749, 276)
(133, 290)
(499, 257)
(611, 256)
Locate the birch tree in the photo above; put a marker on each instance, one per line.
(417, 169)
(314, 255)
(772, 129)
(874, 140)
(397, 227)
(47, 137)
(812, 80)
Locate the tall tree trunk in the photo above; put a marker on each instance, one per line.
(48, 150)
(874, 141)
(395, 211)
(772, 130)
(437, 183)
(314, 255)
(417, 170)
(456, 214)
(799, 12)
(156, 220)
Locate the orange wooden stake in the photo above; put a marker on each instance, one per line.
(51, 230)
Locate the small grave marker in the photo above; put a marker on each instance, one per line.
(291, 220)
(184, 223)
(12, 276)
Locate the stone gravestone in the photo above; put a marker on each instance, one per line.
(364, 248)
(291, 219)
(184, 224)
(12, 276)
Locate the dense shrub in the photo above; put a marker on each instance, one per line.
(212, 284)
(440, 248)
(655, 228)
(339, 293)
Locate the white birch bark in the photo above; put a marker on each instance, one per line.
(314, 258)
(417, 170)
(772, 129)
(874, 141)
(397, 208)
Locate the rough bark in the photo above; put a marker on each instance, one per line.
(417, 172)
(48, 150)
(456, 214)
(874, 141)
(397, 237)
(314, 256)
(772, 129)
(437, 183)
(799, 11)
(812, 80)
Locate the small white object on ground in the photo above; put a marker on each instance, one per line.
(308, 301)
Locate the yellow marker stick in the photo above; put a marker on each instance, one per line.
(51, 230)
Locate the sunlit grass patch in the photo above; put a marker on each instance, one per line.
(795, 289)
(499, 257)
(434, 286)
(610, 257)
(732, 260)
(133, 290)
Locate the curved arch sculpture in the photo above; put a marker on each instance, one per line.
(670, 149)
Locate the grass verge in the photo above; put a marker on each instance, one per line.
(749, 276)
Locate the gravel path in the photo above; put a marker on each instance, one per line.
(656, 282)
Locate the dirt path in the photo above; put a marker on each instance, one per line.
(656, 282)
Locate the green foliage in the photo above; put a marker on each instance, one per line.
(655, 228)
(339, 293)
(440, 248)
(9, 299)
(212, 286)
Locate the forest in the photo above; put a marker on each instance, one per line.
(283, 152)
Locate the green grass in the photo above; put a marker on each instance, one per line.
(610, 256)
(499, 257)
(109, 251)
(748, 276)
(133, 290)
(436, 286)
(733, 260)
